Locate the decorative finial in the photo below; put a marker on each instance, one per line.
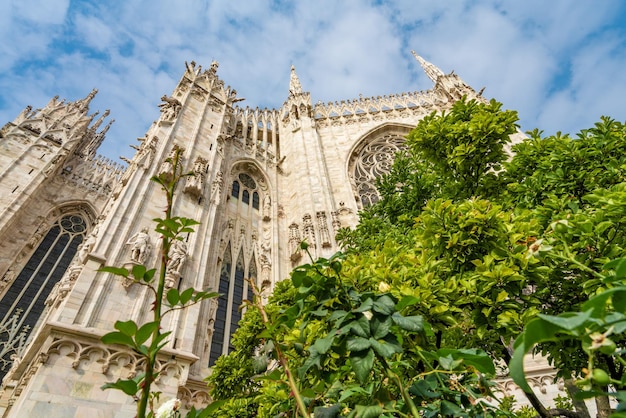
(294, 83)
(432, 71)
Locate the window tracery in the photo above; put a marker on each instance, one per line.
(370, 162)
(24, 301)
(233, 288)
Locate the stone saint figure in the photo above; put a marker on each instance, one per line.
(140, 243)
(178, 255)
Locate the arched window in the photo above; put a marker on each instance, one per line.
(24, 301)
(252, 276)
(235, 191)
(219, 326)
(255, 200)
(245, 197)
(237, 297)
(371, 161)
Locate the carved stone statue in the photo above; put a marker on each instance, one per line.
(34, 240)
(195, 183)
(213, 68)
(7, 278)
(146, 152)
(323, 228)
(177, 257)
(169, 107)
(216, 188)
(167, 168)
(87, 246)
(267, 207)
(63, 286)
(294, 82)
(294, 242)
(140, 245)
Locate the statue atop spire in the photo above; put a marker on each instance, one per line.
(294, 83)
(83, 104)
(432, 71)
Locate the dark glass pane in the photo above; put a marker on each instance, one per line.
(247, 181)
(255, 200)
(44, 269)
(246, 197)
(219, 325)
(235, 191)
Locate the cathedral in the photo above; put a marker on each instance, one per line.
(262, 181)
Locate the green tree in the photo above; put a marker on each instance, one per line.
(473, 245)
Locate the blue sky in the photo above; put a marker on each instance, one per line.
(561, 64)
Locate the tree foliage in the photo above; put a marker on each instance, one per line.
(466, 247)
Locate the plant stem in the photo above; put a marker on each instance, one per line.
(281, 357)
(405, 393)
(149, 377)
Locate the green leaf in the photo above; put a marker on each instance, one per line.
(314, 359)
(369, 411)
(471, 357)
(210, 409)
(406, 301)
(569, 321)
(450, 409)
(297, 277)
(385, 348)
(173, 297)
(365, 306)
(358, 343)
(360, 327)
(162, 337)
(380, 326)
(145, 331)
(149, 275)
(347, 393)
(384, 305)
(126, 327)
(129, 387)
(536, 331)
(118, 338)
(139, 271)
(619, 265)
(323, 344)
(619, 300)
(362, 363)
(424, 389)
(448, 362)
(409, 323)
(118, 271)
(332, 411)
(186, 295)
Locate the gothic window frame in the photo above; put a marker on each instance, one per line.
(235, 190)
(373, 157)
(24, 299)
(233, 287)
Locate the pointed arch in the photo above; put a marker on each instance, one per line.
(25, 300)
(219, 324)
(252, 276)
(371, 157)
(237, 294)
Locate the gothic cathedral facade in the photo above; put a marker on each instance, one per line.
(263, 180)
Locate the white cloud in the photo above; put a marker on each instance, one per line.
(559, 63)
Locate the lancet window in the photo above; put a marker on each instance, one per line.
(23, 303)
(246, 240)
(232, 287)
